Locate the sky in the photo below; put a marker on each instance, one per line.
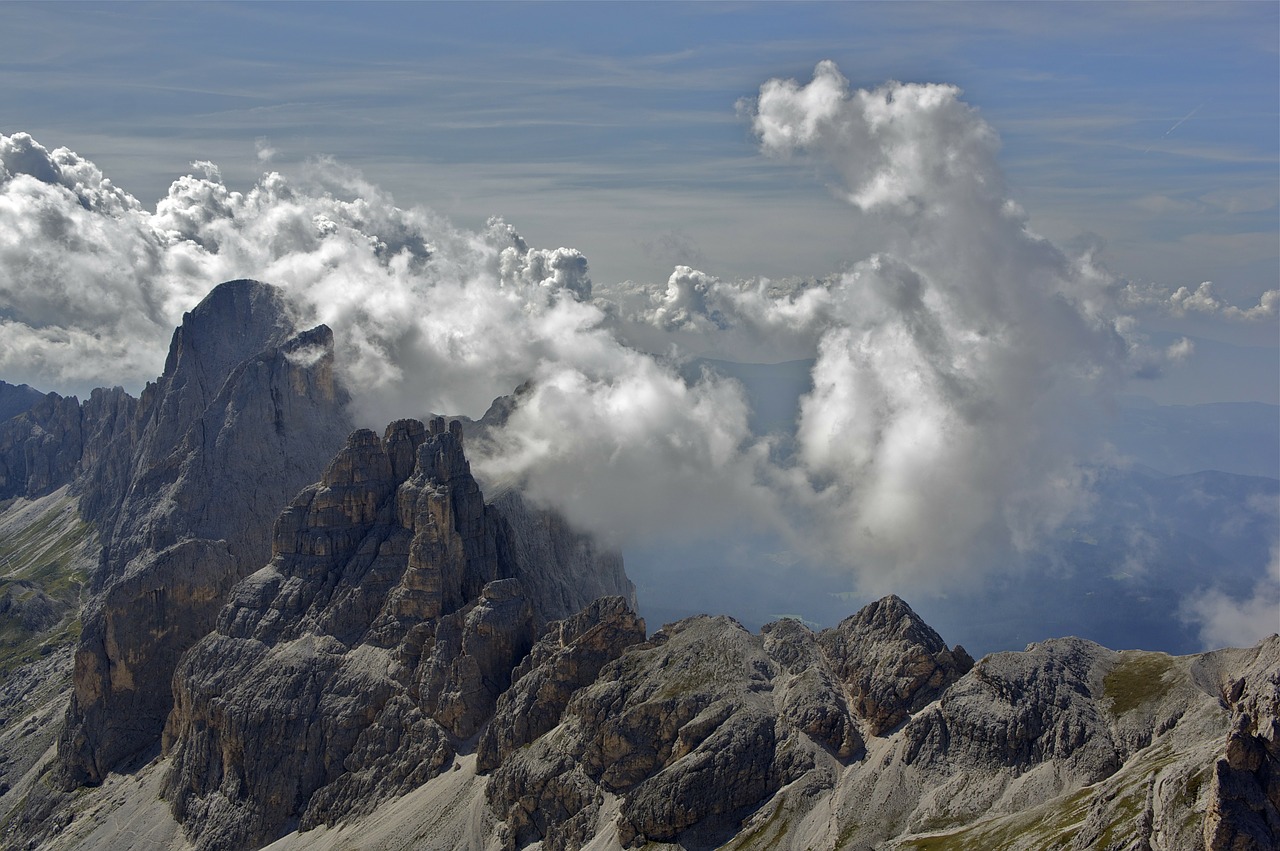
(612, 127)
(978, 225)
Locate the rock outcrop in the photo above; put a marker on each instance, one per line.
(568, 657)
(704, 722)
(16, 399)
(372, 648)
(41, 447)
(184, 485)
(1244, 795)
(891, 662)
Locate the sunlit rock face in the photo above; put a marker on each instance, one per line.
(708, 736)
(407, 668)
(891, 662)
(1244, 795)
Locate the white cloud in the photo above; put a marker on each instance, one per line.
(1180, 350)
(755, 321)
(266, 151)
(684, 304)
(427, 318)
(955, 355)
(1203, 300)
(1225, 621)
(950, 367)
(626, 448)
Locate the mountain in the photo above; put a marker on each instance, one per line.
(229, 620)
(16, 399)
(1232, 437)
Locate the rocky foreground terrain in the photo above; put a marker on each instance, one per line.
(229, 620)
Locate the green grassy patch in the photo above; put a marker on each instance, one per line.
(1123, 818)
(846, 835)
(44, 551)
(44, 558)
(1190, 796)
(765, 837)
(1137, 681)
(23, 650)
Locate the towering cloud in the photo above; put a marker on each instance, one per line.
(955, 350)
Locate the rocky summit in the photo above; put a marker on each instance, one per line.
(240, 622)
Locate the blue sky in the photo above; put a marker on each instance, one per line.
(612, 127)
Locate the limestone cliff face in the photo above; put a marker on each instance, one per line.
(562, 570)
(875, 735)
(59, 441)
(236, 411)
(374, 646)
(568, 657)
(184, 485)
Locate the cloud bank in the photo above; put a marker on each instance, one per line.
(950, 367)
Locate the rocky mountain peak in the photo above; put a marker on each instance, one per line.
(235, 321)
(183, 486)
(891, 662)
(16, 398)
(326, 629)
(396, 607)
(890, 618)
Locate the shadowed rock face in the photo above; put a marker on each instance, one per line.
(184, 485)
(40, 447)
(16, 399)
(59, 441)
(1244, 794)
(374, 646)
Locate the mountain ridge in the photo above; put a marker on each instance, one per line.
(379, 656)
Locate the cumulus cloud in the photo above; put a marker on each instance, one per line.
(86, 295)
(1204, 299)
(953, 354)
(754, 321)
(625, 447)
(427, 318)
(906, 147)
